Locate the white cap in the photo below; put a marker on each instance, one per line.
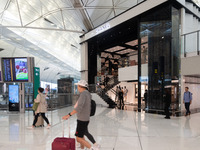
(82, 83)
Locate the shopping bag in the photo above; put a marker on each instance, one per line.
(35, 106)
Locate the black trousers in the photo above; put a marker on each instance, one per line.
(89, 136)
(121, 102)
(187, 107)
(43, 116)
(167, 111)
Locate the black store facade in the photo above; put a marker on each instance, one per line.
(151, 40)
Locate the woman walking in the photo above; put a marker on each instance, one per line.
(42, 108)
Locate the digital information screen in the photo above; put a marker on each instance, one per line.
(13, 94)
(21, 69)
(15, 69)
(7, 70)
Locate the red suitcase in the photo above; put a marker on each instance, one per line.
(62, 143)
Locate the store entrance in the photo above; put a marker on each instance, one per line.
(131, 101)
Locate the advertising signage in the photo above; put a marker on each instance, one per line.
(15, 69)
(13, 95)
(21, 69)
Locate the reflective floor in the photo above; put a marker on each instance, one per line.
(113, 129)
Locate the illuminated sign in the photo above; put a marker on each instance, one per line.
(102, 28)
(13, 93)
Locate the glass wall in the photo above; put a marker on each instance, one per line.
(156, 53)
(4, 98)
(28, 95)
(176, 53)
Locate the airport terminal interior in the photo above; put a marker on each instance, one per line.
(139, 59)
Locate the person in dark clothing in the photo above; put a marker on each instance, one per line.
(104, 81)
(107, 80)
(167, 103)
(121, 97)
(117, 94)
(145, 98)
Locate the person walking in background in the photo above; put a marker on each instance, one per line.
(47, 92)
(187, 100)
(83, 115)
(117, 94)
(42, 108)
(145, 98)
(121, 98)
(125, 93)
(104, 81)
(167, 102)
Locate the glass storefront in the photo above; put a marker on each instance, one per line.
(156, 29)
(160, 54)
(149, 44)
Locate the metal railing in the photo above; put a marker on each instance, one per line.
(191, 44)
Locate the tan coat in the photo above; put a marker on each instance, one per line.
(42, 107)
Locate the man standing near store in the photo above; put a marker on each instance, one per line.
(83, 114)
(187, 99)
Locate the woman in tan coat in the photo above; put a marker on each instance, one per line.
(42, 107)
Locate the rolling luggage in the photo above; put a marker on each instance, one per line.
(40, 122)
(62, 143)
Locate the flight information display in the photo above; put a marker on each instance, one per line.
(7, 69)
(15, 69)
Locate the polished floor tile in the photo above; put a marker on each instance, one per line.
(113, 129)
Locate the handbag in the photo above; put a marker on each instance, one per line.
(35, 106)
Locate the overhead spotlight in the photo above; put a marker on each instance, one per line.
(46, 68)
(58, 73)
(1, 49)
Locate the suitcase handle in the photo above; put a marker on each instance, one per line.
(63, 129)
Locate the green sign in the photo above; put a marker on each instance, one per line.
(36, 82)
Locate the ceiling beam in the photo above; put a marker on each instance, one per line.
(81, 10)
(40, 28)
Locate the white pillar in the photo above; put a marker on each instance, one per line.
(183, 21)
(181, 80)
(84, 61)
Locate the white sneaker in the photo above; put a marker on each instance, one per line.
(30, 127)
(97, 146)
(49, 126)
(78, 145)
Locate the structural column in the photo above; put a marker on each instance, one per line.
(84, 61)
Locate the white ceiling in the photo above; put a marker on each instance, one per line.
(197, 2)
(49, 30)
